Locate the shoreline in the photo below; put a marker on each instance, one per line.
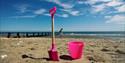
(64, 34)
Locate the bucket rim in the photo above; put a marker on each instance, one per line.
(76, 42)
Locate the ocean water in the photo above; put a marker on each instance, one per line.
(88, 33)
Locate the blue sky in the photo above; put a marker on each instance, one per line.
(71, 15)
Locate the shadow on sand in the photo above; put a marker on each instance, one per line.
(66, 57)
(26, 56)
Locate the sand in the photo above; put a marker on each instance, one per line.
(35, 50)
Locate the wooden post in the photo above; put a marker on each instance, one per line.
(18, 35)
(33, 34)
(9, 34)
(38, 34)
(53, 33)
(27, 34)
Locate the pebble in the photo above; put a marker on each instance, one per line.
(105, 49)
(3, 56)
(19, 43)
(25, 56)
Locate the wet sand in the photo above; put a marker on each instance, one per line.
(35, 50)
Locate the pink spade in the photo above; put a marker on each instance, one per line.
(53, 54)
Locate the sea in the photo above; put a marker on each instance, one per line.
(73, 33)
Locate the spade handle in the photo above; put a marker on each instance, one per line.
(53, 33)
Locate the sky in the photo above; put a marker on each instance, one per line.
(71, 15)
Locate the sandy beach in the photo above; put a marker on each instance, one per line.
(35, 50)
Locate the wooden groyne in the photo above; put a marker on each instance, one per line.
(28, 34)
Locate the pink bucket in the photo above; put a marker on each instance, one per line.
(75, 49)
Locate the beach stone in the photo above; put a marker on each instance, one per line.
(105, 49)
(111, 53)
(3, 56)
(120, 51)
(91, 58)
(92, 50)
(115, 46)
(32, 48)
(35, 43)
(92, 44)
(25, 56)
(22, 45)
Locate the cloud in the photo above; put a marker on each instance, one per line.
(72, 12)
(68, 8)
(98, 8)
(120, 8)
(40, 11)
(104, 5)
(114, 3)
(117, 19)
(64, 5)
(63, 15)
(108, 17)
(104, 0)
(80, 2)
(22, 8)
(92, 2)
(75, 13)
(25, 16)
(47, 14)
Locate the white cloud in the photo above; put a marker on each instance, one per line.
(92, 2)
(64, 5)
(75, 13)
(106, 5)
(104, 0)
(25, 16)
(98, 8)
(120, 8)
(22, 8)
(108, 17)
(66, 10)
(63, 15)
(47, 14)
(117, 19)
(72, 12)
(39, 11)
(114, 3)
(80, 2)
